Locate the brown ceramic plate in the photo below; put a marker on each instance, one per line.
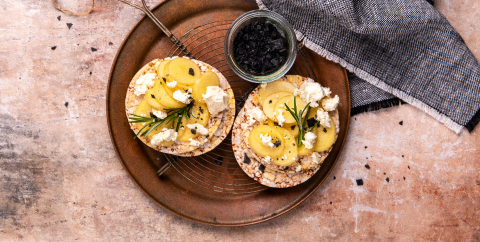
(211, 188)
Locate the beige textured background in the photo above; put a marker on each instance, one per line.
(61, 180)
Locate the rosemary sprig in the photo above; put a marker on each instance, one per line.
(174, 115)
(297, 115)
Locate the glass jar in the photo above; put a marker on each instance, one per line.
(282, 26)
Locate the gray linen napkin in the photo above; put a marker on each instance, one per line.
(401, 49)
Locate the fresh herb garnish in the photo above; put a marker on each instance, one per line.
(297, 115)
(174, 115)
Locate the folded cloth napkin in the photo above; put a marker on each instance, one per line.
(402, 49)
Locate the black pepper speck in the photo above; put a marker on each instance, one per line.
(219, 161)
(401, 122)
(311, 122)
(110, 43)
(246, 159)
(69, 25)
(94, 49)
(367, 166)
(191, 72)
(66, 104)
(261, 168)
(54, 47)
(59, 18)
(359, 182)
(387, 179)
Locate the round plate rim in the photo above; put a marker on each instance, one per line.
(293, 205)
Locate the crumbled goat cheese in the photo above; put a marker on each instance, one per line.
(280, 117)
(267, 159)
(316, 157)
(200, 129)
(310, 139)
(267, 140)
(310, 92)
(194, 142)
(330, 104)
(216, 99)
(323, 117)
(183, 97)
(159, 113)
(143, 83)
(165, 135)
(256, 115)
(326, 91)
(172, 84)
(298, 168)
(140, 89)
(263, 85)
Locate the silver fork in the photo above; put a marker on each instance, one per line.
(167, 32)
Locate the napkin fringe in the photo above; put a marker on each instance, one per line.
(376, 106)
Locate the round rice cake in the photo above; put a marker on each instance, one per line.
(267, 173)
(218, 125)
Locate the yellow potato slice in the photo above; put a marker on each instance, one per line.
(303, 151)
(289, 154)
(150, 97)
(279, 85)
(183, 71)
(269, 104)
(201, 84)
(257, 146)
(201, 112)
(161, 69)
(158, 90)
(280, 104)
(325, 137)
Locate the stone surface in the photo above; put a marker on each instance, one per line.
(61, 180)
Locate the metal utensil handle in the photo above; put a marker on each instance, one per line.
(164, 169)
(164, 29)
